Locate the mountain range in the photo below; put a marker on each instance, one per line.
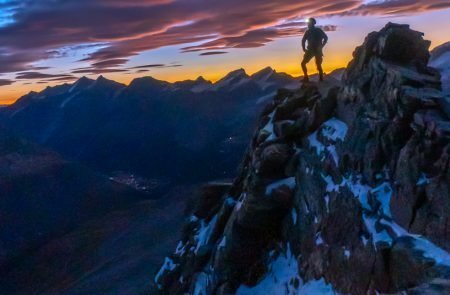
(141, 127)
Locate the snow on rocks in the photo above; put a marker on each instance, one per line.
(204, 233)
(168, 265)
(269, 128)
(282, 278)
(326, 137)
(281, 275)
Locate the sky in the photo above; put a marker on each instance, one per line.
(49, 42)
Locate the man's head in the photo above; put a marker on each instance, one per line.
(311, 22)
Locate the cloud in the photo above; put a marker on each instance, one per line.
(5, 82)
(213, 53)
(149, 66)
(38, 75)
(398, 7)
(63, 79)
(95, 71)
(115, 30)
(252, 39)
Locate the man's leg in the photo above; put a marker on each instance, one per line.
(306, 58)
(319, 60)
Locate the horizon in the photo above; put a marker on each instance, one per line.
(91, 77)
(43, 44)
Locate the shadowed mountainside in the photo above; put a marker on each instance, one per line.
(345, 192)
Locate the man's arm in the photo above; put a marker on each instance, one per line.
(305, 37)
(324, 39)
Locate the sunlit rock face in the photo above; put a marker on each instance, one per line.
(344, 188)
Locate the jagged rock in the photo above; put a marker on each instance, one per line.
(273, 160)
(407, 267)
(338, 185)
(209, 199)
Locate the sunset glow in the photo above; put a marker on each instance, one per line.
(43, 44)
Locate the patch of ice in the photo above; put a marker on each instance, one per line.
(201, 284)
(290, 182)
(332, 150)
(315, 143)
(204, 233)
(364, 240)
(383, 194)
(269, 127)
(319, 240)
(423, 180)
(230, 202)
(378, 236)
(167, 266)
(360, 191)
(317, 287)
(223, 243)
(181, 249)
(334, 129)
(430, 250)
(327, 202)
(238, 205)
(347, 254)
(294, 216)
(331, 185)
(279, 277)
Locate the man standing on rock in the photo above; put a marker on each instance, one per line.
(316, 39)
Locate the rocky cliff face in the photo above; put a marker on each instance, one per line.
(340, 192)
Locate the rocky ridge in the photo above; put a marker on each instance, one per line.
(345, 192)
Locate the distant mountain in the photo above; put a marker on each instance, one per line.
(440, 59)
(151, 128)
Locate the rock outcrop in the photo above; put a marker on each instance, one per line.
(346, 192)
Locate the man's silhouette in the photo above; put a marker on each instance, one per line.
(316, 39)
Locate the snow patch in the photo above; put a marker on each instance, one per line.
(223, 243)
(347, 254)
(201, 284)
(181, 249)
(317, 287)
(269, 127)
(319, 239)
(281, 274)
(334, 130)
(331, 185)
(294, 216)
(383, 194)
(167, 266)
(315, 143)
(204, 233)
(423, 180)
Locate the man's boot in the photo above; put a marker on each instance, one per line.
(320, 77)
(305, 79)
